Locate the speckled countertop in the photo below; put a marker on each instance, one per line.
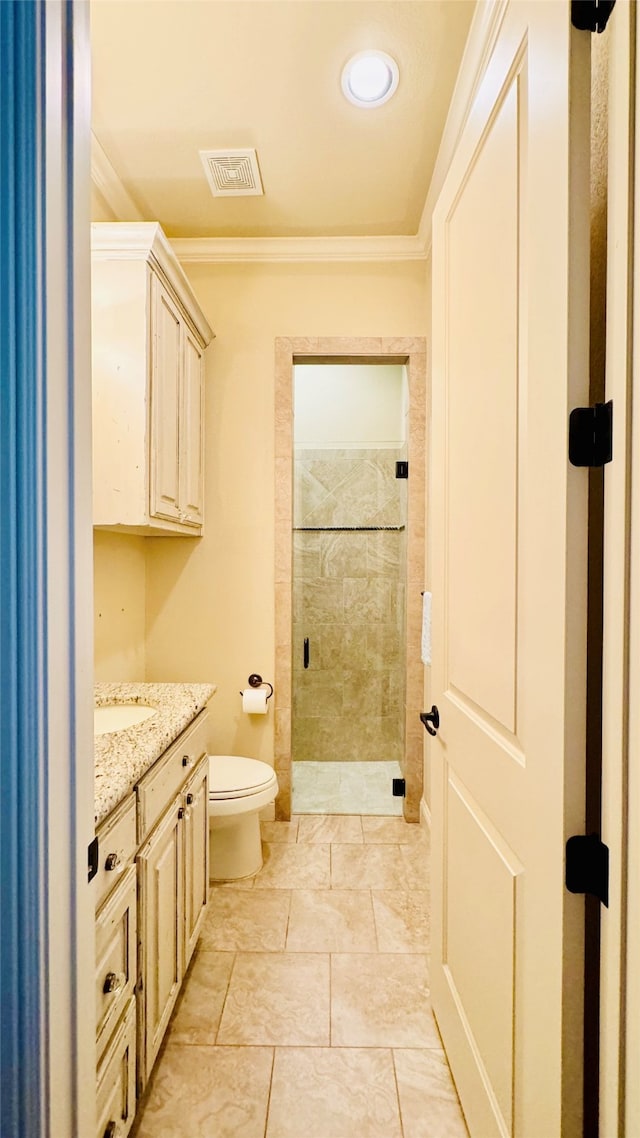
(122, 757)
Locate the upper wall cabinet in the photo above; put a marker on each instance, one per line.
(148, 342)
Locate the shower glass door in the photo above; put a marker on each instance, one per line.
(348, 586)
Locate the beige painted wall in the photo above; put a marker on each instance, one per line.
(210, 602)
(119, 606)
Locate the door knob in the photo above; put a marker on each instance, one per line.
(431, 717)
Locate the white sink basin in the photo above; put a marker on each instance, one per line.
(117, 716)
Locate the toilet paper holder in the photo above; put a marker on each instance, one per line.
(256, 681)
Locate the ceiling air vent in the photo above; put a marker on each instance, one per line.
(232, 173)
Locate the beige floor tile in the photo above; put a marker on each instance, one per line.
(329, 828)
(428, 1100)
(333, 1093)
(288, 866)
(331, 920)
(417, 866)
(202, 1092)
(279, 831)
(278, 998)
(392, 830)
(381, 1001)
(248, 922)
(199, 1008)
(402, 920)
(367, 867)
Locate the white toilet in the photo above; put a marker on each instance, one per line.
(239, 788)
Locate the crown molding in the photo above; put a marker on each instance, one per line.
(485, 25)
(109, 184)
(227, 250)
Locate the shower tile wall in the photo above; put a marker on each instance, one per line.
(348, 599)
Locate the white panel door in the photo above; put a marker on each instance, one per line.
(510, 341)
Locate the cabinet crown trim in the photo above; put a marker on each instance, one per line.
(138, 240)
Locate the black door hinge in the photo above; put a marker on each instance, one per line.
(587, 866)
(591, 435)
(92, 859)
(402, 469)
(591, 15)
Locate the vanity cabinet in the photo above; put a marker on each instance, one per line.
(173, 874)
(151, 898)
(196, 849)
(116, 971)
(148, 341)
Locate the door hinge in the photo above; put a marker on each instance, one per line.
(587, 866)
(92, 859)
(402, 469)
(591, 435)
(591, 15)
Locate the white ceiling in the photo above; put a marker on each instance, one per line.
(172, 77)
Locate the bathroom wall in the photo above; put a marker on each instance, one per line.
(119, 582)
(210, 602)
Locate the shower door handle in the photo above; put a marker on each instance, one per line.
(305, 655)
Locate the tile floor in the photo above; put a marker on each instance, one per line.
(345, 788)
(306, 1011)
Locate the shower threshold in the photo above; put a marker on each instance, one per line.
(345, 788)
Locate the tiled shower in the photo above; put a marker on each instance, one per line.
(349, 571)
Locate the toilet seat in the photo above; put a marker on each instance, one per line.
(234, 776)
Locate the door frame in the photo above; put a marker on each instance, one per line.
(619, 988)
(410, 351)
(48, 1056)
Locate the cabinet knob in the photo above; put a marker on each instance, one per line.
(113, 861)
(187, 761)
(113, 1130)
(181, 813)
(189, 799)
(113, 982)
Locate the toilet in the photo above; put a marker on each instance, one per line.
(239, 788)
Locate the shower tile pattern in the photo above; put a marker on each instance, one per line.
(348, 599)
(307, 1008)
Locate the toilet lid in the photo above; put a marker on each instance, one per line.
(232, 776)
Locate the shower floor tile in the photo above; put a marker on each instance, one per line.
(345, 788)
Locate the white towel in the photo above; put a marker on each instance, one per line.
(426, 628)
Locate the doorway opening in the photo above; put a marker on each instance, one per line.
(340, 511)
(349, 569)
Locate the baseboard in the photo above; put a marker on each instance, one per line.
(425, 815)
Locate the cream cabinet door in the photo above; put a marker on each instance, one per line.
(196, 861)
(161, 925)
(191, 440)
(164, 464)
(509, 529)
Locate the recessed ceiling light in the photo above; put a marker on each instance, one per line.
(370, 78)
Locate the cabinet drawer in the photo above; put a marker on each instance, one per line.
(116, 847)
(161, 784)
(116, 1080)
(116, 955)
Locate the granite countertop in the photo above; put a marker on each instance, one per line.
(122, 757)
